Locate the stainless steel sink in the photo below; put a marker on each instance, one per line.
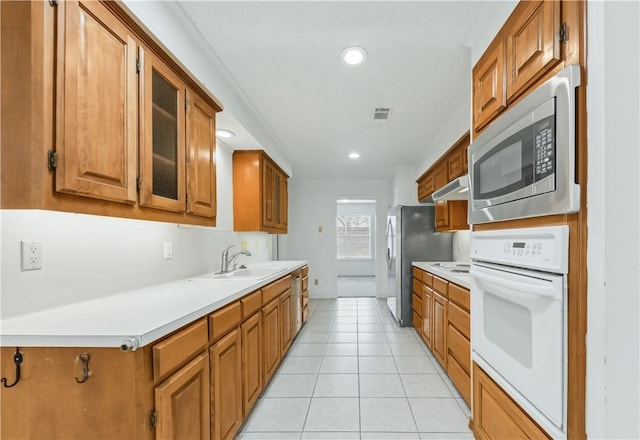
(250, 273)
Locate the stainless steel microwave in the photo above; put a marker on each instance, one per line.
(523, 164)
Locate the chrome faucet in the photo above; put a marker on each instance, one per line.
(227, 260)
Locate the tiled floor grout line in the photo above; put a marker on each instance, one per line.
(379, 315)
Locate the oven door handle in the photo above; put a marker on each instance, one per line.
(514, 287)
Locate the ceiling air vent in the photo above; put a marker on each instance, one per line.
(381, 114)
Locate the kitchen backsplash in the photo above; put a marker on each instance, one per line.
(87, 257)
(462, 245)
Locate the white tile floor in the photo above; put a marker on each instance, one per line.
(352, 373)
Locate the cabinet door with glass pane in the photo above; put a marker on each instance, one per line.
(162, 144)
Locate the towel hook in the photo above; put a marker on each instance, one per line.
(17, 359)
(84, 358)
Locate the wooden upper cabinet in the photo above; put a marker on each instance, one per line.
(527, 48)
(268, 194)
(532, 42)
(260, 193)
(455, 163)
(426, 185)
(201, 157)
(488, 77)
(441, 176)
(96, 105)
(162, 137)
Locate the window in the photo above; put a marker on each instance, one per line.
(353, 232)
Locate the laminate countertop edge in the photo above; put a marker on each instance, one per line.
(138, 317)
(463, 280)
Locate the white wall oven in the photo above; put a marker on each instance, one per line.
(523, 164)
(519, 319)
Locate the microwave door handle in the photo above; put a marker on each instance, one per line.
(509, 289)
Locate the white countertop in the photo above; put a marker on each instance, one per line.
(145, 314)
(461, 279)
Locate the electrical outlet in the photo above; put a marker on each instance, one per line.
(320, 229)
(315, 281)
(168, 250)
(244, 245)
(31, 255)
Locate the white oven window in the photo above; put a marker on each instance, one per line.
(508, 325)
(501, 169)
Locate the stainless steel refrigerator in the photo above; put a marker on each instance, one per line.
(411, 236)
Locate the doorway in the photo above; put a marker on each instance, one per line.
(356, 247)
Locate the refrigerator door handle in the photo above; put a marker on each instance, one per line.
(389, 258)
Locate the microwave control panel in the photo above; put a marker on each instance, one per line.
(544, 149)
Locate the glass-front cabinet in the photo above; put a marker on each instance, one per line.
(162, 158)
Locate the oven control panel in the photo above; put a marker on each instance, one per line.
(545, 248)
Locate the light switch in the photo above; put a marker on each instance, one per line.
(320, 229)
(168, 250)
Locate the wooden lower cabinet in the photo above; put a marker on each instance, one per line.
(444, 325)
(496, 415)
(199, 382)
(226, 386)
(48, 403)
(439, 335)
(286, 333)
(427, 311)
(270, 339)
(458, 341)
(182, 402)
(251, 361)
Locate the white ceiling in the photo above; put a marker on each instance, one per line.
(284, 57)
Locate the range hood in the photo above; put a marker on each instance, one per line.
(457, 189)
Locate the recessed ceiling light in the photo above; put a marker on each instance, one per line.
(225, 134)
(353, 56)
(354, 156)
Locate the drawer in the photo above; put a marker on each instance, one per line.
(460, 296)
(305, 314)
(223, 320)
(305, 271)
(305, 300)
(305, 283)
(417, 304)
(417, 286)
(177, 349)
(273, 290)
(460, 319)
(460, 379)
(417, 274)
(459, 347)
(417, 321)
(251, 304)
(427, 278)
(440, 285)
